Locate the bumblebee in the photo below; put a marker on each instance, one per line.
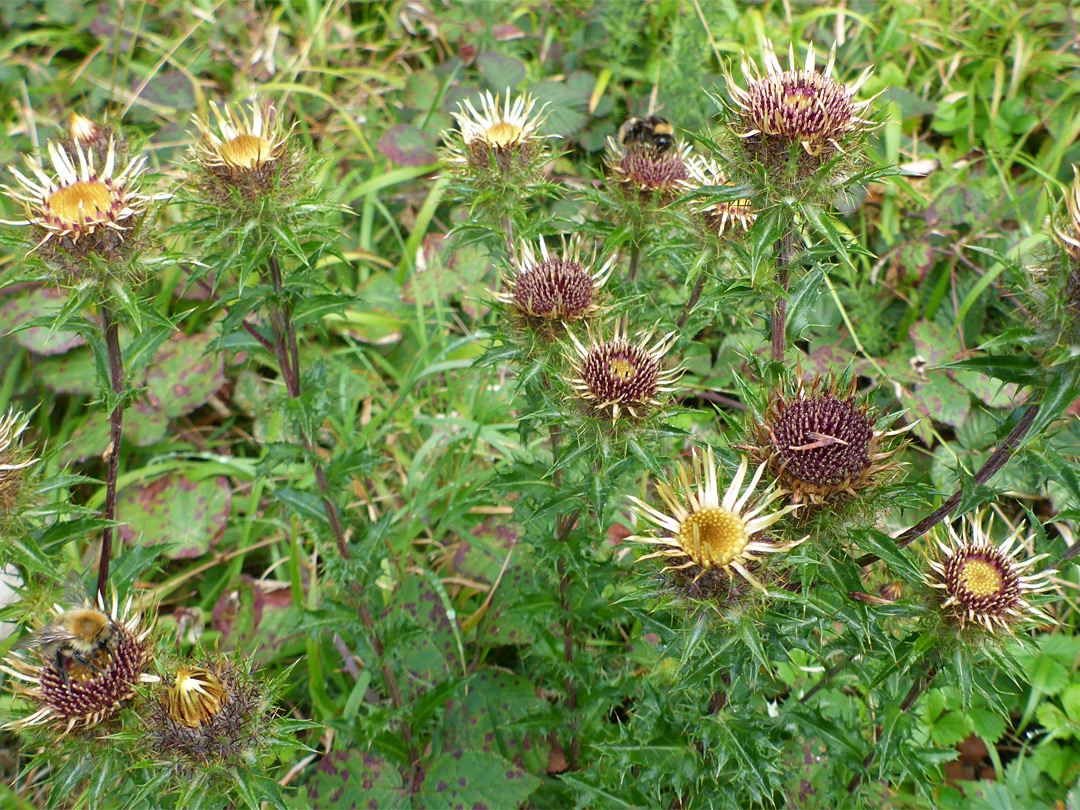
(78, 635)
(652, 132)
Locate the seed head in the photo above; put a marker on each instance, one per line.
(549, 289)
(983, 584)
(618, 376)
(820, 442)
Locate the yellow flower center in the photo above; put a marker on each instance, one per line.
(245, 151)
(980, 578)
(713, 537)
(503, 133)
(80, 201)
(622, 368)
(195, 697)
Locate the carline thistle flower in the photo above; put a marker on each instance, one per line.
(797, 106)
(718, 216)
(621, 376)
(209, 713)
(983, 584)
(70, 695)
(649, 173)
(701, 532)
(821, 442)
(14, 459)
(547, 289)
(83, 210)
(245, 149)
(500, 140)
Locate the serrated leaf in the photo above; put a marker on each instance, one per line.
(950, 729)
(1047, 675)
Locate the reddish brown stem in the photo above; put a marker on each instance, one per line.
(784, 255)
(695, 296)
(996, 461)
(116, 434)
(251, 330)
(287, 353)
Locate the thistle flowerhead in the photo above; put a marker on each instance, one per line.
(822, 442)
(701, 532)
(648, 175)
(15, 459)
(84, 214)
(1054, 285)
(984, 584)
(620, 376)
(86, 664)
(90, 136)
(718, 219)
(243, 150)
(499, 144)
(793, 122)
(548, 289)
(212, 713)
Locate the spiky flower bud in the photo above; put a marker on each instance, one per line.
(821, 442)
(701, 532)
(983, 584)
(1054, 284)
(501, 143)
(243, 152)
(210, 714)
(91, 137)
(15, 459)
(546, 290)
(76, 685)
(85, 211)
(621, 376)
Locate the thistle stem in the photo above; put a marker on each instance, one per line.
(563, 526)
(111, 331)
(508, 235)
(784, 254)
(921, 684)
(996, 461)
(695, 296)
(287, 353)
(635, 260)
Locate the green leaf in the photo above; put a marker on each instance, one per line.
(476, 780)
(1047, 675)
(187, 514)
(989, 725)
(950, 729)
(1070, 702)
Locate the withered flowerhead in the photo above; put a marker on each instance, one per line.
(550, 289)
(984, 584)
(14, 459)
(821, 442)
(209, 713)
(86, 209)
(500, 141)
(702, 533)
(650, 174)
(80, 680)
(719, 216)
(244, 150)
(621, 376)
